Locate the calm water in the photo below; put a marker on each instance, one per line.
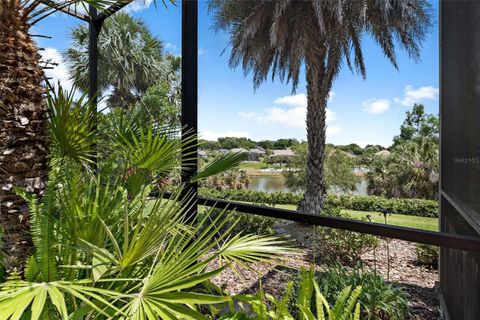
(273, 183)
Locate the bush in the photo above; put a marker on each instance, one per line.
(379, 300)
(247, 223)
(413, 207)
(342, 245)
(427, 255)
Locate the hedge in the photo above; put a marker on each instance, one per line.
(413, 207)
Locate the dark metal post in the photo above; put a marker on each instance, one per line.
(189, 99)
(94, 30)
(94, 27)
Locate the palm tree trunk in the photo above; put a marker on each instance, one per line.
(317, 93)
(23, 132)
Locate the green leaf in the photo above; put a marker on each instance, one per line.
(220, 164)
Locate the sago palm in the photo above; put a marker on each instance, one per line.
(278, 37)
(23, 135)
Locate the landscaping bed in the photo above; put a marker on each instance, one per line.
(418, 281)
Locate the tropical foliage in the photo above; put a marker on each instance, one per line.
(378, 299)
(410, 171)
(104, 248)
(231, 180)
(130, 59)
(346, 305)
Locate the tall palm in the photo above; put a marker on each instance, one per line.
(23, 138)
(277, 37)
(130, 58)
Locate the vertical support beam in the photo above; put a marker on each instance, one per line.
(94, 27)
(94, 30)
(190, 99)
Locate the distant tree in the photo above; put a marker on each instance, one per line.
(338, 170)
(368, 154)
(130, 59)
(411, 171)
(283, 38)
(160, 104)
(418, 125)
(282, 144)
(266, 144)
(209, 145)
(352, 148)
(233, 142)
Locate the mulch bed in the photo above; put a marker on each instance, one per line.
(417, 280)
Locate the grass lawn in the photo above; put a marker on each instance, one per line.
(256, 165)
(423, 223)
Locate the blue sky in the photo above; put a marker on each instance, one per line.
(359, 111)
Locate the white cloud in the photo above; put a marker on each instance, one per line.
(59, 73)
(331, 130)
(413, 95)
(291, 112)
(213, 136)
(248, 115)
(294, 114)
(138, 5)
(376, 105)
(298, 100)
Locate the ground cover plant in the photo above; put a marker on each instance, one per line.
(379, 300)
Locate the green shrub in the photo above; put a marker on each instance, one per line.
(427, 255)
(379, 300)
(246, 224)
(342, 245)
(413, 207)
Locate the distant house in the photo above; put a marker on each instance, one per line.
(223, 151)
(283, 153)
(256, 153)
(383, 154)
(202, 154)
(237, 150)
(281, 156)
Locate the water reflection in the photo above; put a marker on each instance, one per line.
(274, 183)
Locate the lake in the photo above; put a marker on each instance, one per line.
(274, 183)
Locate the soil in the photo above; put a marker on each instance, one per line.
(418, 281)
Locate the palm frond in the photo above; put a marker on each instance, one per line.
(220, 164)
(17, 295)
(72, 126)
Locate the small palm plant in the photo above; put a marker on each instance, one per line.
(346, 307)
(103, 247)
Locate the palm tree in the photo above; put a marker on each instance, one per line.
(130, 59)
(23, 134)
(277, 37)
